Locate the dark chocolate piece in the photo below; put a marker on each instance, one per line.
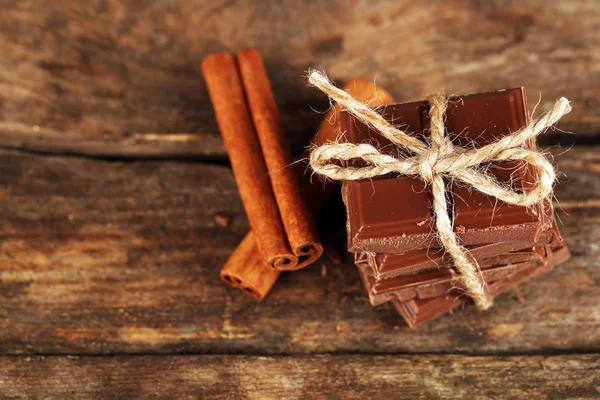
(380, 289)
(433, 284)
(393, 214)
(380, 285)
(388, 265)
(417, 311)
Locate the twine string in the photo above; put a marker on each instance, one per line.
(436, 160)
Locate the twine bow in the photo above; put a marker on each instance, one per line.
(438, 159)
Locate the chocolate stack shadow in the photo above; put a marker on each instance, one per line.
(391, 227)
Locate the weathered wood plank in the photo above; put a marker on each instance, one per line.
(106, 78)
(302, 377)
(108, 257)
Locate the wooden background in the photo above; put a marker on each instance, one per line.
(113, 174)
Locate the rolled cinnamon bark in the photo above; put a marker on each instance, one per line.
(245, 270)
(237, 129)
(248, 269)
(299, 227)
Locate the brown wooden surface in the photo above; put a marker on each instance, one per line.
(110, 77)
(104, 258)
(113, 257)
(302, 377)
(109, 266)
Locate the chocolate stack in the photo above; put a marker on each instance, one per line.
(391, 227)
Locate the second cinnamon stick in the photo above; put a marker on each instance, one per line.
(237, 129)
(300, 228)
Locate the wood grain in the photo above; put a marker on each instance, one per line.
(123, 257)
(121, 79)
(302, 377)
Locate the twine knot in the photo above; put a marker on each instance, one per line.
(438, 159)
(428, 163)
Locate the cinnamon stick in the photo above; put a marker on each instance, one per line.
(299, 227)
(247, 269)
(237, 129)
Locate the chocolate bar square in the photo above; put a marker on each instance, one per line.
(389, 265)
(404, 284)
(435, 283)
(416, 311)
(393, 214)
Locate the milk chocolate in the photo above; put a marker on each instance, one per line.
(393, 214)
(380, 288)
(435, 283)
(417, 311)
(433, 275)
(389, 265)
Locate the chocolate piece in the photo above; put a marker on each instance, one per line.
(384, 289)
(435, 283)
(417, 311)
(380, 285)
(393, 214)
(388, 265)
